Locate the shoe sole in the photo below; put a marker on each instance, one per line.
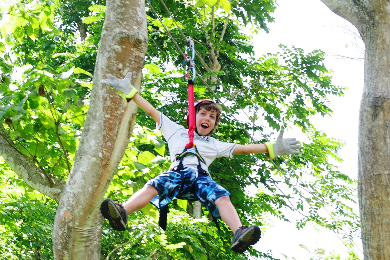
(112, 214)
(250, 237)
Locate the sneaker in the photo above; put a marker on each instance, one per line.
(245, 237)
(115, 213)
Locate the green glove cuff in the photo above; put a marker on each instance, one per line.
(132, 93)
(270, 147)
(129, 96)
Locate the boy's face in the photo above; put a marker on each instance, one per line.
(205, 121)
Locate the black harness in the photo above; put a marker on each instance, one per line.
(188, 151)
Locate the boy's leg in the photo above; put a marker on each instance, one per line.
(117, 214)
(140, 199)
(228, 213)
(244, 236)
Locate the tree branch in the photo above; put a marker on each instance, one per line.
(62, 146)
(354, 11)
(27, 170)
(224, 27)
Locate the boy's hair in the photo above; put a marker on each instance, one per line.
(210, 106)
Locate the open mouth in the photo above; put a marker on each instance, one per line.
(204, 126)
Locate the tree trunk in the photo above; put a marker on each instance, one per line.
(374, 144)
(197, 210)
(108, 127)
(372, 18)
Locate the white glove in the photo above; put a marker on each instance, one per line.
(283, 146)
(122, 85)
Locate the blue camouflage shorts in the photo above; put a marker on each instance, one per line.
(193, 187)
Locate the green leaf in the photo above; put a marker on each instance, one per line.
(140, 166)
(81, 71)
(98, 8)
(2, 47)
(150, 210)
(146, 157)
(47, 120)
(30, 32)
(182, 203)
(153, 69)
(69, 92)
(225, 4)
(4, 110)
(90, 20)
(34, 22)
(19, 33)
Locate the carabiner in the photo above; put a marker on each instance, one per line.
(190, 46)
(190, 60)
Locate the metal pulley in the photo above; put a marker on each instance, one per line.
(190, 59)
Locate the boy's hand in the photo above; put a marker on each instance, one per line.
(122, 85)
(283, 146)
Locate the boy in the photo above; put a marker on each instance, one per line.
(188, 177)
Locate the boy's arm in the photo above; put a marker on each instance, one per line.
(250, 148)
(147, 107)
(124, 85)
(282, 146)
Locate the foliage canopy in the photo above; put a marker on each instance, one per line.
(47, 55)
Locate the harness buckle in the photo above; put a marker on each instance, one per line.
(191, 150)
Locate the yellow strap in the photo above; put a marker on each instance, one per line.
(132, 93)
(129, 96)
(200, 158)
(270, 147)
(185, 152)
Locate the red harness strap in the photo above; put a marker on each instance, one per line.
(191, 106)
(191, 115)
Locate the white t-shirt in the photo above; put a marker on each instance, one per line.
(208, 147)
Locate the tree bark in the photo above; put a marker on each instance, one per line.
(197, 210)
(372, 18)
(108, 127)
